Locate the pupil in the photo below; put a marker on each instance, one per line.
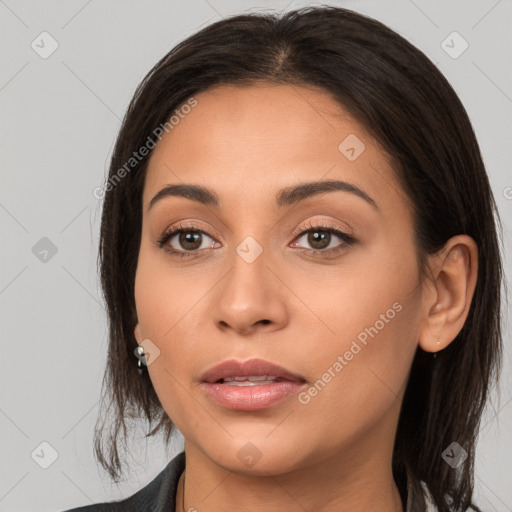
(189, 239)
(319, 239)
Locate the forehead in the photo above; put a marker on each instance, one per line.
(262, 137)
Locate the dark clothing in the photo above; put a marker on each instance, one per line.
(160, 494)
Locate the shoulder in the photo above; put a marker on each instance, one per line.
(157, 496)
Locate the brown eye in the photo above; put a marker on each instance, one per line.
(321, 239)
(184, 240)
(188, 240)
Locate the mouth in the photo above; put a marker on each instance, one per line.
(252, 380)
(252, 372)
(250, 385)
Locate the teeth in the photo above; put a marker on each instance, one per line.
(248, 383)
(249, 380)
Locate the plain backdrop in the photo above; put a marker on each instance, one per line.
(60, 114)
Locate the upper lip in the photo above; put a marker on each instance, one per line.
(251, 367)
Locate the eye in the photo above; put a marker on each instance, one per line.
(322, 239)
(185, 240)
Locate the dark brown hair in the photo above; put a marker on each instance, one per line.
(400, 97)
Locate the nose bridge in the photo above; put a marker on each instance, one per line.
(249, 292)
(247, 280)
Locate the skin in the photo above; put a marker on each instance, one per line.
(334, 452)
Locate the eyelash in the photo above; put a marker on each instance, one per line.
(321, 226)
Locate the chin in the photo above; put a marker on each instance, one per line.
(257, 456)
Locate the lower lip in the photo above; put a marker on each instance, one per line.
(251, 398)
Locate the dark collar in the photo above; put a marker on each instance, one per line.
(165, 499)
(160, 494)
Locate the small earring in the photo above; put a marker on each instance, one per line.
(142, 367)
(438, 337)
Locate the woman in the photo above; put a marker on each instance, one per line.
(300, 258)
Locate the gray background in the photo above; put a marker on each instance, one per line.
(60, 116)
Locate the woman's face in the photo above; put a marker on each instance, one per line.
(259, 273)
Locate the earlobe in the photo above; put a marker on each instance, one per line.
(454, 271)
(137, 333)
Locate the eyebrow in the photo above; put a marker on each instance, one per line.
(285, 197)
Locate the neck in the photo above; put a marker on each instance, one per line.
(325, 486)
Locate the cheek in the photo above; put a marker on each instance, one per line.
(170, 305)
(367, 333)
(356, 383)
(165, 295)
(370, 297)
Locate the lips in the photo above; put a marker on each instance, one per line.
(251, 385)
(250, 372)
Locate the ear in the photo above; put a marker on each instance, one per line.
(454, 273)
(137, 333)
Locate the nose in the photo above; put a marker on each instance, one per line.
(250, 298)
